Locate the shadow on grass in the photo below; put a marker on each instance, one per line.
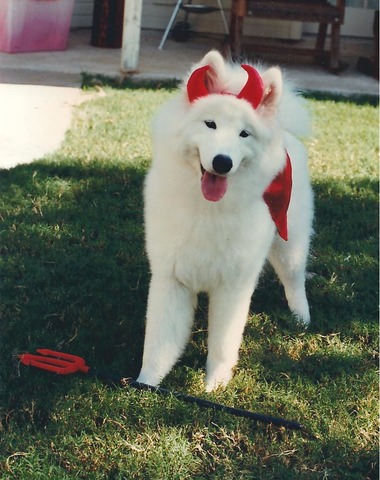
(73, 270)
(90, 80)
(75, 276)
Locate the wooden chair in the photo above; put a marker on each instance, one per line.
(316, 11)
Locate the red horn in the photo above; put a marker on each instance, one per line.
(253, 90)
(196, 85)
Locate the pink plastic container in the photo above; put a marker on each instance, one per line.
(34, 25)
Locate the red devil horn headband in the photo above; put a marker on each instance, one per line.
(252, 91)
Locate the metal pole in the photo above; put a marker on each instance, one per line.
(170, 24)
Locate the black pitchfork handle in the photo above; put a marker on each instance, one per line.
(238, 412)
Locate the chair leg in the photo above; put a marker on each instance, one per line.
(320, 43)
(170, 24)
(238, 12)
(335, 44)
(236, 24)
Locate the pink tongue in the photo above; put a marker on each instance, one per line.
(213, 186)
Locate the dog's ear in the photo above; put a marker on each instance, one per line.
(272, 79)
(216, 74)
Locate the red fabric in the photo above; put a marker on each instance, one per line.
(252, 91)
(196, 87)
(277, 197)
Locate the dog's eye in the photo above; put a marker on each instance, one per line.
(244, 134)
(210, 124)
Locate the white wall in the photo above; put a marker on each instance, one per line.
(156, 14)
(82, 14)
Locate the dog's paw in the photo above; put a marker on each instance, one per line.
(303, 318)
(300, 309)
(148, 379)
(218, 378)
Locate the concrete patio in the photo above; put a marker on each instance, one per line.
(64, 68)
(38, 90)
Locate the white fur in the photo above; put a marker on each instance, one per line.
(220, 247)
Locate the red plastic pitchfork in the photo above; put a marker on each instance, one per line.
(66, 364)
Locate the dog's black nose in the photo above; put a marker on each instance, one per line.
(222, 164)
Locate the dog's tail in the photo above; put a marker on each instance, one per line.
(293, 111)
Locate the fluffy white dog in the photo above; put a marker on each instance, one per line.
(227, 189)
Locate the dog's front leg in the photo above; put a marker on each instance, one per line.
(169, 318)
(228, 311)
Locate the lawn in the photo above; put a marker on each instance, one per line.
(74, 277)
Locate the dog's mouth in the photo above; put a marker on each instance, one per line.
(213, 186)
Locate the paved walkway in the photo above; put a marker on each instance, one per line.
(33, 120)
(38, 90)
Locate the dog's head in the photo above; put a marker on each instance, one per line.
(232, 110)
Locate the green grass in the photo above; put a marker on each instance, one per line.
(74, 277)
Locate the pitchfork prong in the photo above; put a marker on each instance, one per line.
(57, 362)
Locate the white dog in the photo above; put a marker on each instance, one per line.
(226, 165)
